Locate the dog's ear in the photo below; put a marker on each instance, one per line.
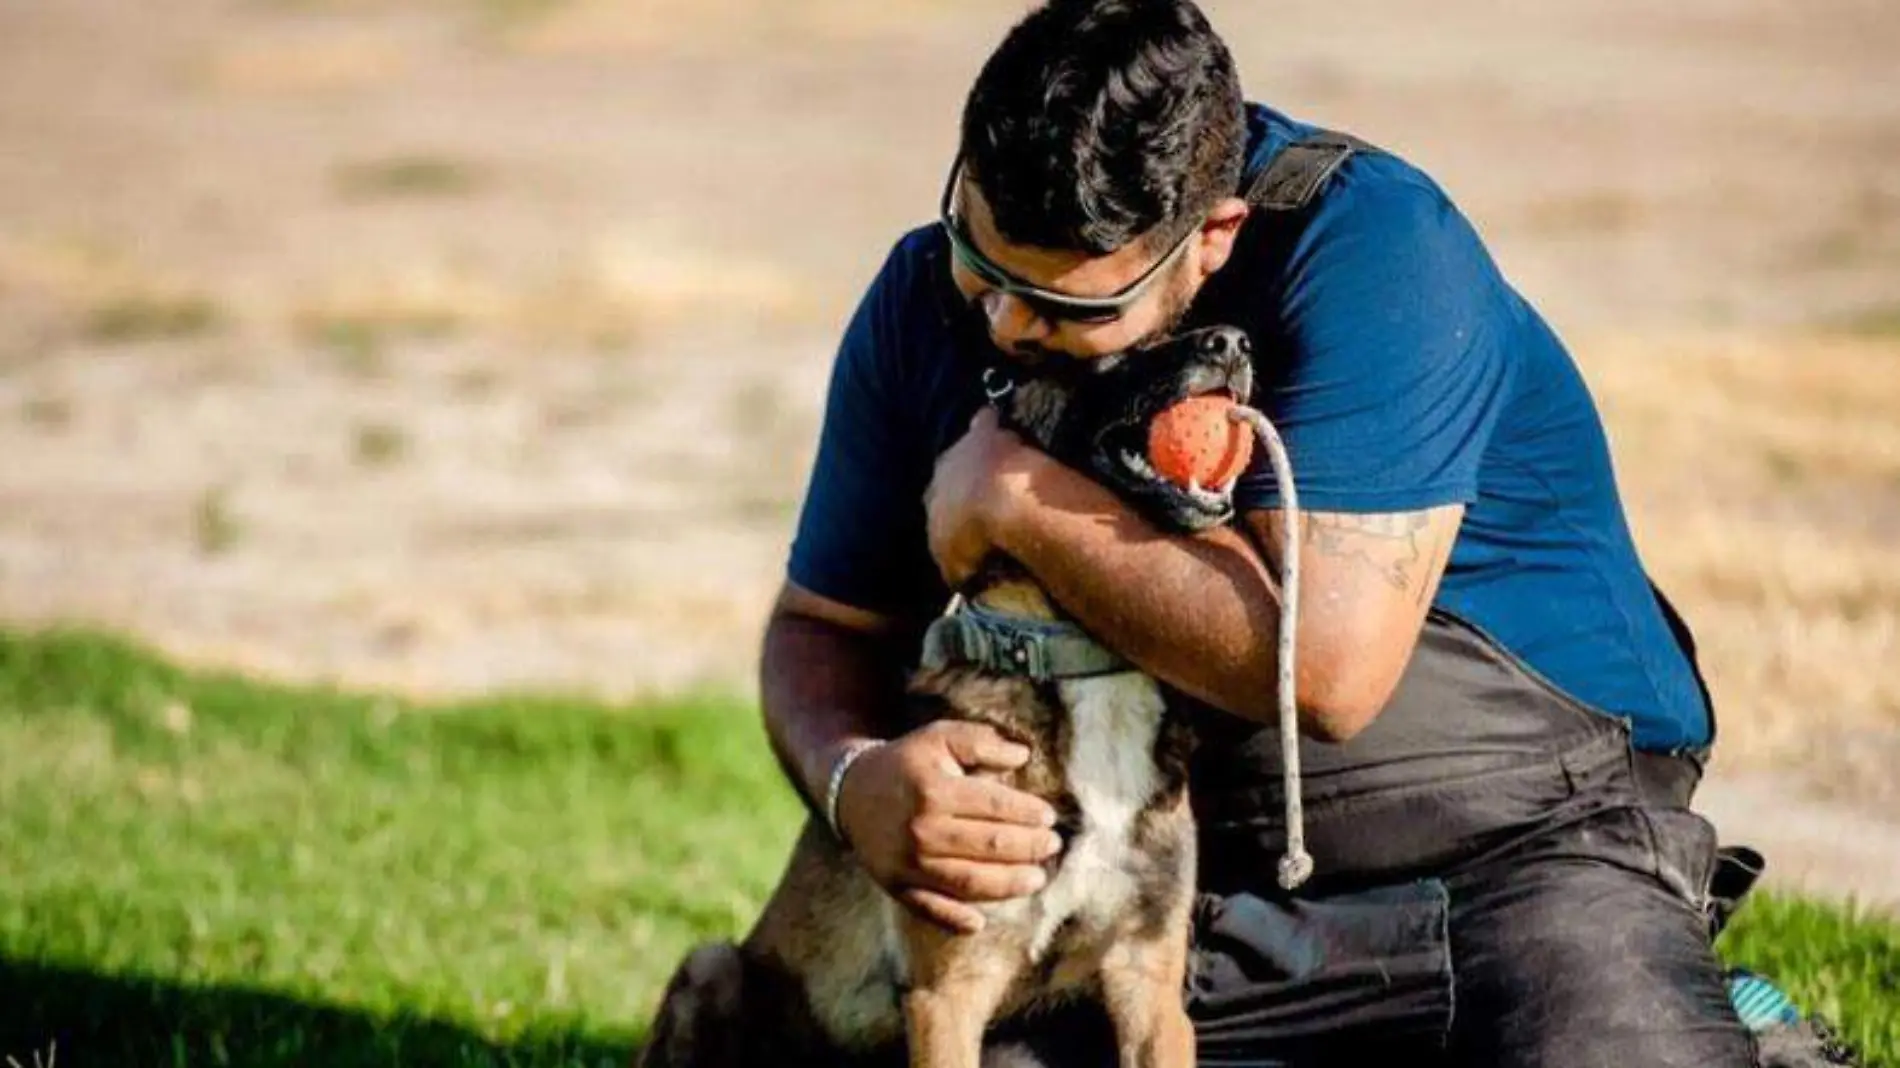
(701, 1014)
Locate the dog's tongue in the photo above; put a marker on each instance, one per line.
(1194, 442)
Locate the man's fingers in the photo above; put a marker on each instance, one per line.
(998, 843)
(941, 910)
(967, 880)
(983, 799)
(975, 745)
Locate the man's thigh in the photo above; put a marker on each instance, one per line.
(1583, 950)
(1578, 948)
(1349, 978)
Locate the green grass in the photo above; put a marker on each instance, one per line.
(203, 870)
(215, 527)
(1877, 322)
(1834, 962)
(151, 317)
(409, 176)
(379, 444)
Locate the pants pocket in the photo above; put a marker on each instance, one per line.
(1271, 978)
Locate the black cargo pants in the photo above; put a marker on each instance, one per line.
(1502, 883)
(1570, 950)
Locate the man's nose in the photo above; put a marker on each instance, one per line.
(1012, 321)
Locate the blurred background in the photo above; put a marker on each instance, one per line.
(441, 347)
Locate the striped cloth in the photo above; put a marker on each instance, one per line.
(1759, 1003)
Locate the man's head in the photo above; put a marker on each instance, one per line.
(1100, 156)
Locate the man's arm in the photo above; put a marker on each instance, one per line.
(828, 677)
(929, 830)
(1366, 582)
(1202, 612)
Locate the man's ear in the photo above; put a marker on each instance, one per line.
(1219, 232)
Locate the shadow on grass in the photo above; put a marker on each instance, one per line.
(87, 1019)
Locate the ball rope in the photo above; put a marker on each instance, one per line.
(1296, 864)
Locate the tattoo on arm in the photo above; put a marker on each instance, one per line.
(1390, 546)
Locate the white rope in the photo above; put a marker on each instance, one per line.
(1296, 864)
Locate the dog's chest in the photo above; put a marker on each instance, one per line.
(1096, 898)
(1109, 768)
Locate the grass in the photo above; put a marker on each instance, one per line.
(358, 346)
(1879, 321)
(206, 870)
(151, 317)
(215, 527)
(409, 176)
(379, 444)
(360, 334)
(47, 411)
(1762, 478)
(1834, 962)
(306, 877)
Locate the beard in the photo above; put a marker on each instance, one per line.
(1177, 299)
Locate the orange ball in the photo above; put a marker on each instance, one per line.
(1195, 440)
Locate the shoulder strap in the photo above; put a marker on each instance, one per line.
(1296, 174)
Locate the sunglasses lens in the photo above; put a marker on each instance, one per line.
(1049, 308)
(1071, 314)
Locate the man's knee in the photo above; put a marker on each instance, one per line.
(1583, 963)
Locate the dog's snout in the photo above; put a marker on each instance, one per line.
(1227, 352)
(1225, 345)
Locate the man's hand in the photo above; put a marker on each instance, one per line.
(933, 835)
(974, 484)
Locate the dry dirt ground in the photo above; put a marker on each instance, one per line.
(468, 344)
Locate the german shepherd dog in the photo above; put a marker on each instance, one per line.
(836, 972)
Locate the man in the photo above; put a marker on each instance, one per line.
(1503, 727)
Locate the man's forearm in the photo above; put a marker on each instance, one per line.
(823, 686)
(1201, 612)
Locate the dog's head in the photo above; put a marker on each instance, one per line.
(1093, 415)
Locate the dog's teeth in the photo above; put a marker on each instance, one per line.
(1204, 498)
(1137, 463)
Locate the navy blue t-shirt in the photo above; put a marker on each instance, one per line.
(1403, 372)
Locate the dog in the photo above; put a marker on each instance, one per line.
(835, 971)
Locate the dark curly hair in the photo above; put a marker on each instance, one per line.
(1097, 122)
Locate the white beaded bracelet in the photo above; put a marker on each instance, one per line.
(835, 783)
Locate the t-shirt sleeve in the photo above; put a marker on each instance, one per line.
(861, 528)
(1390, 371)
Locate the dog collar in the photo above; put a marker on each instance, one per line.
(1042, 650)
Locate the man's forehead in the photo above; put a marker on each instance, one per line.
(1063, 270)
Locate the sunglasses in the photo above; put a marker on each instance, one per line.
(1046, 303)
